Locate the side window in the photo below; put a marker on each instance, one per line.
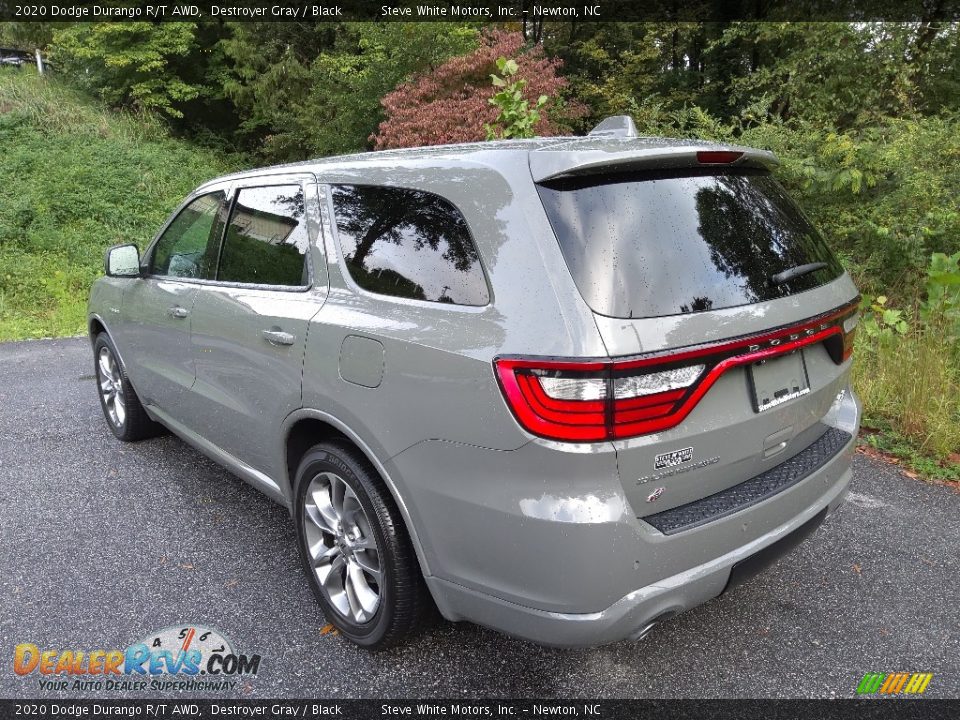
(266, 240)
(409, 244)
(188, 247)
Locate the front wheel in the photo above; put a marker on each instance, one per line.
(121, 406)
(355, 549)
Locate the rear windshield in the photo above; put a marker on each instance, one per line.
(654, 244)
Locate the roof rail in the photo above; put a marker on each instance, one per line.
(616, 126)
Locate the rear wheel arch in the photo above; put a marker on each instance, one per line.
(306, 428)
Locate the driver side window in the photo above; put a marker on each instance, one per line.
(188, 247)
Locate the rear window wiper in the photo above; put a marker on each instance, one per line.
(795, 272)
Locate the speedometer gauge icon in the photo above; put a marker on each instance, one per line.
(180, 639)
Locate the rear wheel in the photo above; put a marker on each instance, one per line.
(121, 406)
(355, 549)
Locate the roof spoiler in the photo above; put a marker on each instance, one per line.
(620, 126)
(570, 160)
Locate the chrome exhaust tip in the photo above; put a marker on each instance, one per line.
(648, 628)
(644, 631)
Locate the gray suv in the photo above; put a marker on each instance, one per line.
(561, 387)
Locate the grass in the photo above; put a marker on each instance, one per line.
(910, 388)
(76, 178)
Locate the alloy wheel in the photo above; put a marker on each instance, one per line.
(111, 386)
(342, 548)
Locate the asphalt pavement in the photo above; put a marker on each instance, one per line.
(102, 542)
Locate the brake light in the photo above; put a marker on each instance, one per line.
(595, 400)
(718, 157)
(849, 334)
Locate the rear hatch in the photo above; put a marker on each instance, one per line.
(728, 318)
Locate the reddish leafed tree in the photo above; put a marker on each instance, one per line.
(450, 104)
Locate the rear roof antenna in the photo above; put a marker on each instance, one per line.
(620, 126)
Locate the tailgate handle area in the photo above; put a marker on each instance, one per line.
(777, 441)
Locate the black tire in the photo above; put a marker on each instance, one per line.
(134, 424)
(403, 597)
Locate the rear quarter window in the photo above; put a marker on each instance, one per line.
(665, 243)
(409, 244)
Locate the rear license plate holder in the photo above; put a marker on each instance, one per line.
(778, 380)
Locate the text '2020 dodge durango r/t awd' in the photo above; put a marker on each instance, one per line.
(561, 387)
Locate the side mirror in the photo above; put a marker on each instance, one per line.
(123, 261)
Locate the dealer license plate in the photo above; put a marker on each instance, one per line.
(778, 380)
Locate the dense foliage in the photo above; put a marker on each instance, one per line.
(865, 118)
(304, 91)
(452, 103)
(516, 117)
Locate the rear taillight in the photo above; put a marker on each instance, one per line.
(557, 400)
(594, 400)
(849, 326)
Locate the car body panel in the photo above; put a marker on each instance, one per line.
(631, 616)
(156, 341)
(625, 337)
(557, 531)
(244, 383)
(244, 380)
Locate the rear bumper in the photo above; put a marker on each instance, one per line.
(543, 544)
(628, 617)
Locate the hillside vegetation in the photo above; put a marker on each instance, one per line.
(76, 178)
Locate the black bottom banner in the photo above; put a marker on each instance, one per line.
(494, 709)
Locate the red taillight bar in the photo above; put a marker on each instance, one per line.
(615, 417)
(530, 413)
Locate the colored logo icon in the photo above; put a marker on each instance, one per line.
(894, 683)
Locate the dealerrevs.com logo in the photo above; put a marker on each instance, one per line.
(186, 657)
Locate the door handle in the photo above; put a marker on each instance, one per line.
(278, 337)
(178, 312)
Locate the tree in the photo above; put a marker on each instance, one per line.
(315, 90)
(26, 35)
(837, 75)
(646, 70)
(451, 103)
(369, 215)
(130, 64)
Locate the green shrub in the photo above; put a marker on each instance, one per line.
(907, 370)
(76, 180)
(516, 118)
(884, 196)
